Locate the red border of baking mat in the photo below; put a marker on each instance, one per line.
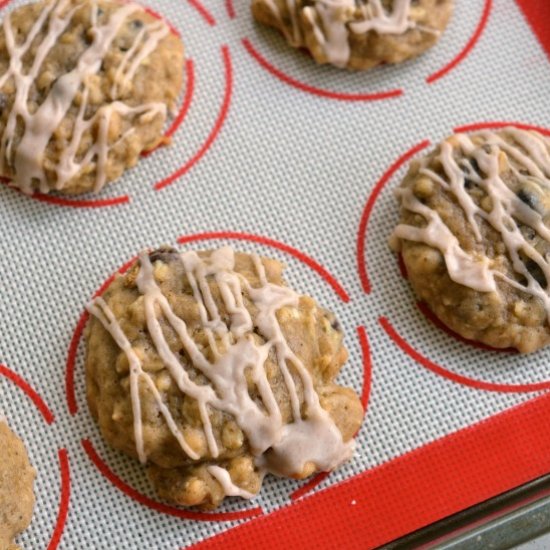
(537, 13)
(412, 491)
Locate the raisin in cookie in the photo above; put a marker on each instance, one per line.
(210, 369)
(85, 87)
(475, 235)
(357, 34)
(16, 488)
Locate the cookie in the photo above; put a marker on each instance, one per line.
(85, 87)
(357, 34)
(211, 370)
(16, 488)
(475, 235)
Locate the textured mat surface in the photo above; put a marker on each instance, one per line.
(276, 155)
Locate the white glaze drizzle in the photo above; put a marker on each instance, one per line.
(223, 477)
(314, 438)
(528, 156)
(294, 37)
(27, 157)
(332, 21)
(145, 43)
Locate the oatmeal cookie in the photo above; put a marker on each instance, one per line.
(16, 488)
(475, 235)
(85, 87)
(210, 369)
(357, 34)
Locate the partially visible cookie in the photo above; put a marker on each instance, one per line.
(357, 34)
(85, 87)
(16, 488)
(475, 235)
(214, 372)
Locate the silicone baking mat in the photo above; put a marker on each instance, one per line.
(276, 155)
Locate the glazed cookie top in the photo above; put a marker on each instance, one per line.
(16, 487)
(346, 33)
(84, 87)
(482, 201)
(218, 345)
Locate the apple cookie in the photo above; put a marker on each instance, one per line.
(212, 371)
(85, 87)
(16, 488)
(357, 34)
(475, 235)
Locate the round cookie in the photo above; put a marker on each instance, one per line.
(357, 34)
(16, 488)
(85, 87)
(210, 369)
(475, 235)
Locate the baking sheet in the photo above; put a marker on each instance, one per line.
(277, 156)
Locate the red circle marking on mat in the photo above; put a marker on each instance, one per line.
(28, 390)
(309, 486)
(453, 376)
(367, 366)
(341, 96)
(501, 124)
(365, 394)
(310, 262)
(79, 203)
(204, 13)
(63, 500)
(185, 105)
(77, 335)
(230, 9)
(226, 56)
(158, 506)
(402, 266)
(4, 3)
(467, 48)
(70, 364)
(364, 222)
(62, 201)
(435, 320)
